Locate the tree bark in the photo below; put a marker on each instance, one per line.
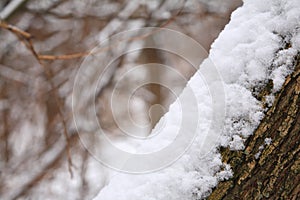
(263, 171)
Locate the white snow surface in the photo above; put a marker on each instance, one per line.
(250, 52)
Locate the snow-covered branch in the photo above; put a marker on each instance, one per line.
(249, 53)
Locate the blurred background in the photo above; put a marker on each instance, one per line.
(41, 156)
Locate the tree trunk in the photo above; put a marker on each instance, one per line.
(269, 171)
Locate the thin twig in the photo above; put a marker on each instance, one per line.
(26, 38)
(58, 103)
(71, 56)
(15, 29)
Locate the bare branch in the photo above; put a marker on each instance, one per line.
(14, 29)
(10, 8)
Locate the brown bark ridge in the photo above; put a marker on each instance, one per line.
(263, 171)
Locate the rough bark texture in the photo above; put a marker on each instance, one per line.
(271, 171)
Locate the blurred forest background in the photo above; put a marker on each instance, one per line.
(41, 155)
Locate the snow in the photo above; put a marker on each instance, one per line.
(248, 53)
(257, 155)
(268, 141)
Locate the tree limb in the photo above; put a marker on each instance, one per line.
(10, 8)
